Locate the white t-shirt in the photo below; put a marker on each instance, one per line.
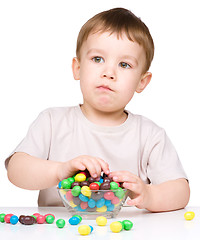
(138, 145)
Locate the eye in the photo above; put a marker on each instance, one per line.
(124, 65)
(98, 59)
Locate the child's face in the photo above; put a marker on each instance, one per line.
(110, 71)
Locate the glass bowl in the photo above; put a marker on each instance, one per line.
(106, 203)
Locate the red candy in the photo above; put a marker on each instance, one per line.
(94, 186)
(115, 200)
(84, 205)
(109, 195)
(69, 195)
(7, 217)
(41, 219)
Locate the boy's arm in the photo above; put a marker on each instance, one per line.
(33, 173)
(167, 196)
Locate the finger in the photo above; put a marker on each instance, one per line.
(104, 166)
(123, 176)
(134, 187)
(134, 202)
(90, 165)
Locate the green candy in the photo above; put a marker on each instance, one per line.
(60, 223)
(113, 186)
(127, 224)
(71, 179)
(2, 215)
(76, 191)
(66, 184)
(49, 219)
(119, 193)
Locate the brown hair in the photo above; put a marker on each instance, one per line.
(120, 21)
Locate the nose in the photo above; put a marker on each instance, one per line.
(109, 73)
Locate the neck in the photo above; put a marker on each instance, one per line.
(98, 117)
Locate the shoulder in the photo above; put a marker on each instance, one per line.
(145, 125)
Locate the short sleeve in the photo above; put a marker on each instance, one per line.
(163, 163)
(38, 138)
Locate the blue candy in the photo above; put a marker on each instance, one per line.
(83, 198)
(91, 228)
(74, 220)
(108, 203)
(110, 207)
(59, 184)
(14, 219)
(100, 202)
(91, 203)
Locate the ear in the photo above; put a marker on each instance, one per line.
(76, 68)
(144, 81)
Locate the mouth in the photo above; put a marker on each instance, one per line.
(104, 88)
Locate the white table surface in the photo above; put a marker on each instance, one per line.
(146, 225)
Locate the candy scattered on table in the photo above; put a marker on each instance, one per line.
(85, 229)
(189, 215)
(14, 219)
(101, 221)
(74, 220)
(60, 223)
(116, 227)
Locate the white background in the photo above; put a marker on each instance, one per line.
(37, 44)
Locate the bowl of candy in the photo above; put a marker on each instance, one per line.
(92, 197)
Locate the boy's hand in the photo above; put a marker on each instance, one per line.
(140, 194)
(93, 164)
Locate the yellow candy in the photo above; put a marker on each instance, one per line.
(101, 221)
(85, 190)
(115, 227)
(189, 216)
(80, 177)
(62, 191)
(84, 229)
(102, 209)
(71, 203)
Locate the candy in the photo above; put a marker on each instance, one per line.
(91, 228)
(83, 198)
(76, 191)
(94, 186)
(27, 220)
(80, 177)
(115, 200)
(85, 183)
(105, 186)
(78, 216)
(7, 217)
(113, 186)
(101, 221)
(91, 203)
(84, 229)
(2, 216)
(49, 219)
(85, 190)
(109, 195)
(119, 193)
(100, 203)
(14, 219)
(189, 215)
(60, 223)
(69, 195)
(102, 209)
(66, 184)
(40, 219)
(127, 224)
(116, 227)
(74, 220)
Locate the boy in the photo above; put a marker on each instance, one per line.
(114, 53)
